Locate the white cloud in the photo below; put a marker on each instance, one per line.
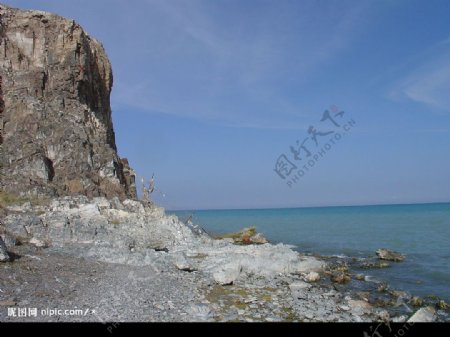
(431, 87)
(429, 82)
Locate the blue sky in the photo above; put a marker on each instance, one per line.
(208, 94)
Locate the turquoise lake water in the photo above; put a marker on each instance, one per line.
(421, 231)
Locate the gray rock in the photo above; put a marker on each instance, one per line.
(200, 312)
(133, 206)
(299, 285)
(443, 305)
(340, 278)
(299, 289)
(416, 301)
(373, 264)
(360, 277)
(38, 243)
(384, 315)
(427, 314)
(266, 260)
(9, 240)
(369, 278)
(182, 263)
(70, 221)
(251, 300)
(4, 256)
(359, 307)
(258, 238)
(230, 316)
(227, 274)
(101, 202)
(312, 277)
(399, 319)
(386, 254)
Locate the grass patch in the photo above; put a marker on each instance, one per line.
(7, 199)
(227, 294)
(266, 297)
(237, 296)
(289, 313)
(240, 305)
(10, 199)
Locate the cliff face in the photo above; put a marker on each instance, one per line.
(58, 136)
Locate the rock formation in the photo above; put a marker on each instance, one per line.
(57, 131)
(4, 256)
(386, 254)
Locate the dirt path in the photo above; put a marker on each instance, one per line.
(94, 291)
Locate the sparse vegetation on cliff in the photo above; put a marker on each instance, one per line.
(12, 199)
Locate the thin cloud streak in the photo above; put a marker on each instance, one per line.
(244, 74)
(429, 82)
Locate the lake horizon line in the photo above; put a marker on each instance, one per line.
(307, 207)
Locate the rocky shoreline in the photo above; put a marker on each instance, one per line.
(129, 261)
(74, 258)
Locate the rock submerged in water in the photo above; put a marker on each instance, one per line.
(416, 301)
(390, 255)
(4, 256)
(360, 277)
(340, 278)
(370, 264)
(443, 305)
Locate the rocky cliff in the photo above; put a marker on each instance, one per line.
(57, 130)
